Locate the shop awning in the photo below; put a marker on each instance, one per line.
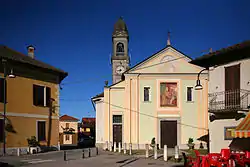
(243, 129)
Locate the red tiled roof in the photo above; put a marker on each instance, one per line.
(86, 120)
(68, 118)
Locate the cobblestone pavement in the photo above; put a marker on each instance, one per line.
(74, 158)
(107, 159)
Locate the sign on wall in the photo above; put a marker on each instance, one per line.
(229, 132)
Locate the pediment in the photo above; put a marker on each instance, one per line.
(168, 60)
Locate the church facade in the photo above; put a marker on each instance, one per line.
(153, 99)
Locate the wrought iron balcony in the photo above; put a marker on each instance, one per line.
(229, 101)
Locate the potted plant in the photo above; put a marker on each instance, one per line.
(33, 144)
(190, 143)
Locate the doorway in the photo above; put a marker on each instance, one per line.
(117, 129)
(168, 133)
(232, 86)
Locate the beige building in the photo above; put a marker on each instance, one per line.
(32, 99)
(99, 123)
(153, 99)
(68, 130)
(229, 94)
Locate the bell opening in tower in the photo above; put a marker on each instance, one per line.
(120, 49)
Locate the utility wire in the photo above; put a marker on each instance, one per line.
(75, 100)
(127, 109)
(131, 109)
(85, 80)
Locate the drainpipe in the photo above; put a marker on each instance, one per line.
(109, 114)
(138, 103)
(130, 110)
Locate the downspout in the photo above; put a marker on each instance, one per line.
(138, 112)
(109, 115)
(130, 110)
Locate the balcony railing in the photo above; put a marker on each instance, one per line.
(229, 101)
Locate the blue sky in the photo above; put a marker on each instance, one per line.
(76, 35)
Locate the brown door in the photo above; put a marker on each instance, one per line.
(232, 86)
(168, 133)
(117, 134)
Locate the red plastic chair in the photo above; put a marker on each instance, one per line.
(190, 161)
(225, 154)
(198, 159)
(246, 159)
(238, 158)
(213, 159)
(225, 158)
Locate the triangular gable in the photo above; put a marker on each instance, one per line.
(167, 60)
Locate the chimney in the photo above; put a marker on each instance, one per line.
(31, 50)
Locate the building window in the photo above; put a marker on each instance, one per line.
(189, 93)
(41, 95)
(67, 125)
(146, 93)
(117, 119)
(87, 129)
(41, 131)
(229, 132)
(1, 130)
(2, 90)
(67, 137)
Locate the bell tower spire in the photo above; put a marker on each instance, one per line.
(120, 56)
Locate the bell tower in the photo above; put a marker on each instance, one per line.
(120, 59)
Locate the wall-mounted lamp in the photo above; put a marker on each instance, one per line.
(11, 75)
(198, 82)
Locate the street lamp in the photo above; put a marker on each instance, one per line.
(11, 75)
(198, 82)
(198, 86)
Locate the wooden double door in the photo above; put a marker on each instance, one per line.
(117, 134)
(168, 133)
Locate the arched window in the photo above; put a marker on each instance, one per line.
(120, 47)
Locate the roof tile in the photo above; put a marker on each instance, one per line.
(68, 118)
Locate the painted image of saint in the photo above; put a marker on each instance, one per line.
(168, 94)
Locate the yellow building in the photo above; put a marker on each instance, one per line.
(153, 99)
(32, 99)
